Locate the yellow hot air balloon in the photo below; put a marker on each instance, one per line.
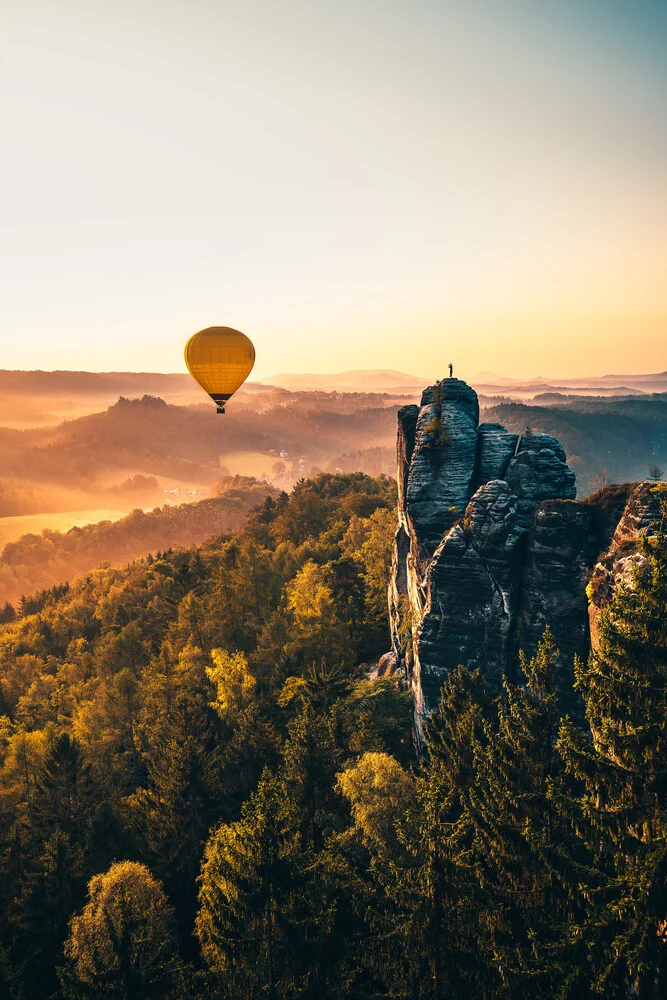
(220, 359)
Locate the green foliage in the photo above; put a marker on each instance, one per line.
(139, 707)
(378, 790)
(249, 883)
(198, 739)
(40, 560)
(434, 433)
(121, 944)
(619, 777)
(235, 685)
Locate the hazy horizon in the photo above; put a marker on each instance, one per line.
(261, 377)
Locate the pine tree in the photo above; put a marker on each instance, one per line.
(254, 745)
(173, 813)
(622, 771)
(7, 613)
(424, 907)
(47, 895)
(520, 836)
(63, 790)
(247, 888)
(310, 764)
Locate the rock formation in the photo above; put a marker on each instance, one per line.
(492, 546)
(613, 567)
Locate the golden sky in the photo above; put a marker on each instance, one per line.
(354, 184)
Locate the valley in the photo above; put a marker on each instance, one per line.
(145, 453)
(12, 528)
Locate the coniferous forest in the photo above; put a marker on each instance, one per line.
(207, 791)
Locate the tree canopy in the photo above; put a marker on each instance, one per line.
(206, 791)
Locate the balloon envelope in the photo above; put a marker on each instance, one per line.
(220, 359)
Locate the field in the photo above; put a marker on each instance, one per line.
(248, 463)
(11, 528)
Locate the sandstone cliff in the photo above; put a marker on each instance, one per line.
(613, 567)
(492, 546)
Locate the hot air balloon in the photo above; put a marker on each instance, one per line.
(220, 359)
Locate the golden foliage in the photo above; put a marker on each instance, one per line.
(235, 685)
(378, 790)
(126, 924)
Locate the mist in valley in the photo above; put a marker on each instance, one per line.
(95, 466)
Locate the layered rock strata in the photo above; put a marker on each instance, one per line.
(492, 546)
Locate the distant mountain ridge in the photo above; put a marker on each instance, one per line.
(391, 381)
(606, 384)
(91, 382)
(39, 398)
(355, 380)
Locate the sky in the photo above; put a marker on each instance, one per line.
(352, 183)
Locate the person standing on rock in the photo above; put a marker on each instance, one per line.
(451, 370)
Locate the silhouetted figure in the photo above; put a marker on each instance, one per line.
(451, 370)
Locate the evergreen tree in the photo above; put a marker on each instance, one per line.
(173, 813)
(424, 905)
(310, 759)
(63, 790)
(121, 945)
(622, 769)
(49, 892)
(7, 613)
(253, 745)
(446, 899)
(249, 881)
(520, 837)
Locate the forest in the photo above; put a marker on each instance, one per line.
(606, 440)
(94, 461)
(155, 438)
(139, 449)
(208, 789)
(41, 561)
(127, 454)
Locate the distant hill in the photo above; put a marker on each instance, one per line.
(105, 383)
(604, 385)
(538, 390)
(189, 444)
(35, 399)
(630, 379)
(615, 438)
(361, 380)
(387, 380)
(54, 557)
(92, 382)
(39, 398)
